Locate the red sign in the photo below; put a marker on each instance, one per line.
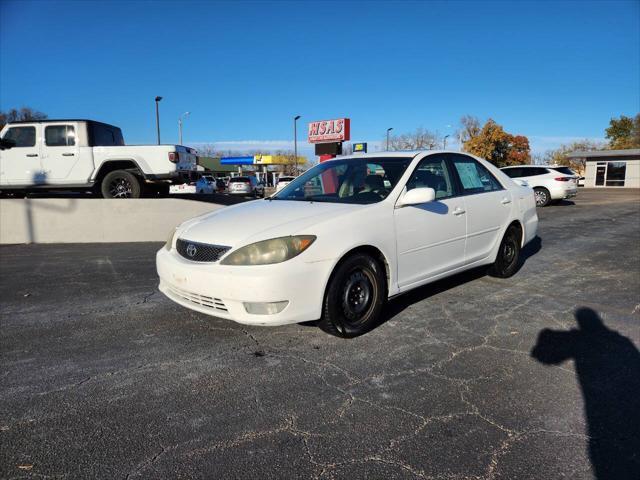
(330, 131)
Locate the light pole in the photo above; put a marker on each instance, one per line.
(158, 118)
(388, 130)
(295, 140)
(184, 115)
(445, 142)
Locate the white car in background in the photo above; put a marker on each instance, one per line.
(339, 240)
(550, 183)
(283, 182)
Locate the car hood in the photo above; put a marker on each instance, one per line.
(260, 219)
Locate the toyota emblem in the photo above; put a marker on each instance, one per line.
(191, 250)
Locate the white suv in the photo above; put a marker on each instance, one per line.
(550, 183)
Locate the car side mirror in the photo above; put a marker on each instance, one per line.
(7, 143)
(417, 196)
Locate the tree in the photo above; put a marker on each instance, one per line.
(624, 132)
(20, 115)
(497, 146)
(469, 128)
(559, 156)
(421, 139)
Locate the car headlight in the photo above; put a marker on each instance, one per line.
(266, 252)
(169, 243)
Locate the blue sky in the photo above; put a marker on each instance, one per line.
(553, 71)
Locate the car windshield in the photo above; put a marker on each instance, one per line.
(352, 180)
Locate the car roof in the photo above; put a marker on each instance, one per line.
(394, 154)
(53, 120)
(528, 166)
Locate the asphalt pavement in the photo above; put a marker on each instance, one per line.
(533, 377)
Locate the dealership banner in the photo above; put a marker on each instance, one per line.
(337, 130)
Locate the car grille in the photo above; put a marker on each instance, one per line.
(200, 252)
(203, 300)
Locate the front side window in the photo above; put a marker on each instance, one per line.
(353, 180)
(474, 177)
(432, 172)
(59, 136)
(22, 136)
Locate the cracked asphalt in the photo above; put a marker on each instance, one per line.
(472, 377)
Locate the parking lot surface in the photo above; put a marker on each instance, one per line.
(537, 376)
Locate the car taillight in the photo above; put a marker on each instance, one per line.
(173, 157)
(562, 179)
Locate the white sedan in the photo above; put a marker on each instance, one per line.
(347, 235)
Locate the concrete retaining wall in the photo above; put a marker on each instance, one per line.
(94, 220)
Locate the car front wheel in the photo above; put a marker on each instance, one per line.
(508, 258)
(354, 297)
(120, 184)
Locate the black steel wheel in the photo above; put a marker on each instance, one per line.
(508, 258)
(120, 184)
(354, 298)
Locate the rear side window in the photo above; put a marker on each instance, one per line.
(103, 135)
(565, 170)
(474, 177)
(59, 136)
(22, 136)
(534, 171)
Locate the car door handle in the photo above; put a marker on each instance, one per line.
(68, 154)
(32, 154)
(505, 201)
(459, 211)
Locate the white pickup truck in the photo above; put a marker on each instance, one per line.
(88, 155)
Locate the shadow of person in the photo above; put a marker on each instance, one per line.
(608, 368)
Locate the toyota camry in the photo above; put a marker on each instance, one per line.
(346, 236)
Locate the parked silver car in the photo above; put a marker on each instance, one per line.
(246, 186)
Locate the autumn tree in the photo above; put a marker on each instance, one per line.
(497, 146)
(624, 132)
(420, 139)
(23, 114)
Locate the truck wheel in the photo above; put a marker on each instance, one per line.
(120, 184)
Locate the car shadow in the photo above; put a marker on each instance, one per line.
(398, 304)
(563, 203)
(607, 367)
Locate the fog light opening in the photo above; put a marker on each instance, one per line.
(265, 308)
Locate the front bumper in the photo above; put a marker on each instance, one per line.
(221, 290)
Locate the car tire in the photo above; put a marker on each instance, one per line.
(354, 298)
(508, 258)
(542, 196)
(120, 184)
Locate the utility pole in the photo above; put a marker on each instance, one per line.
(158, 118)
(445, 142)
(295, 140)
(184, 115)
(388, 130)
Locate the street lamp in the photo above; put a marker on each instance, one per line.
(184, 115)
(388, 130)
(445, 141)
(295, 140)
(158, 118)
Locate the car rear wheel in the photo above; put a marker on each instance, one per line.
(543, 197)
(508, 258)
(120, 184)
(354, 297)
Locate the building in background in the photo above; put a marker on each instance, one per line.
(610, 168)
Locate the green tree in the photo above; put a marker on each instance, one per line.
(497, 146)
(20, 115)
(624, 132)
